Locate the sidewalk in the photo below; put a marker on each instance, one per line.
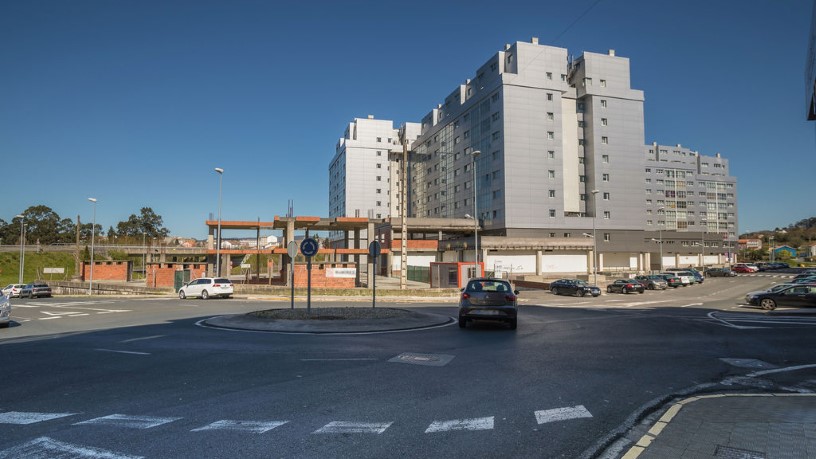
(756, 426)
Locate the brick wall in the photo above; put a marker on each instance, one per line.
(106, 270)
(320, 278)
(163, 275)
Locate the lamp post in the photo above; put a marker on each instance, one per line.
(93, 232)
(594, 238)
(702, 242)
(220, 172)
(22, 247)
(660, 233)
(475, 154)
(772, 254)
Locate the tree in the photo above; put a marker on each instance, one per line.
(41, 225)
(148, 223)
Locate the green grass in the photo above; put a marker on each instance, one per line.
(34, 264)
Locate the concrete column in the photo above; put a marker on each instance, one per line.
(356, 245)
(590, 260)
(370, 236)
(600, 262)
(647, 261)
(539, 255)
(677, 260)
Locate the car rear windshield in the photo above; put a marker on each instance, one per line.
(488, 286)
(222, 281)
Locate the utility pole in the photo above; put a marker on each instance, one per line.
(404, 212)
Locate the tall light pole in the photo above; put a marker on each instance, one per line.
(220, 172)
(93, 232)
(702, 242)
(660, 233)
(594, 238)
(772, 256)
(22, 247)
(475, 154)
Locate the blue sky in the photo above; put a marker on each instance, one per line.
(135, 102)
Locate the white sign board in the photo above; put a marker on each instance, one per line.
(346, 273)
(53, 270)
(245, 265)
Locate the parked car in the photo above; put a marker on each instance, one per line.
(206, 287)
(719, 272)
(743, 268)
(573, 287)
(804, 280)
(780, 265)
(694, 276)
(488, 299)
(625, 286)
(797, 296)
(653, 282)
(797, 277)
(751, 296)
(12, 290)
(5, 311)
(685, 279)
(672, 280)
(35, 290)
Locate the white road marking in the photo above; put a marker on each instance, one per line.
(123, 352)
(337, 360)
(562, 414)
(131, 422)
(779, 370)
(342, 427)
(44, 447)
(22, 418)
(461, 424)
(258, 427)
(141, 339)
(692, 304)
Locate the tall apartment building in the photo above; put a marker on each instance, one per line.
(363, 179)
(810, 69)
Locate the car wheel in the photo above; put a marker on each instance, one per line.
(581, 293)
(182, 295)
(513, 324)
(768, 304)
(608, 289)
(555, 291)
(462, 322)
(624, 291)
(641, 291)
(205, 295)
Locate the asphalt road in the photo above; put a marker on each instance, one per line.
(121, 377)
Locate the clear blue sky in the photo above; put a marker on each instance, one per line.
(135, 102)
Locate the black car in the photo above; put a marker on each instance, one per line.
(719, 272)
(625, 286)
(573, 287)
(797, 296)
(35, 290)
(671, 279)
(488, 299)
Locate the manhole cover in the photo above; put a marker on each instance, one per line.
(729, 452)
(749, 363)
(431, 360)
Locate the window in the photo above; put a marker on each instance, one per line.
(379, 166)
(549, 96)
(494, 97)
(603, 103)
(495, 135)
(606, 196)
(552, 193)
(496, 194)
(605, 140)
(567, 234)
(552, 213)
(603, 83)
(379, 139)
(549, 75)
(552, 234)
(466, 135)
(580, 123)
(563, 77)
(379, 153)
(551, 154)
(495, 116)
(550, 135)
(379, 203)
(604, 122)
(551, 173)
(587, 81)
(379, 178)
(605, 177)
(379, 190)
(605, 158)
(607, 237)
(607, 214)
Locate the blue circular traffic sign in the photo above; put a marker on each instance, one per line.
(309, 247)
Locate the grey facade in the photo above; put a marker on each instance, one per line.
(810, 70)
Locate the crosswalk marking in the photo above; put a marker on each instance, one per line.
(562, 414)
(131, 422)
(23, 418)
(44, 447)
(258, 427)
(344, 427)
(461, 424)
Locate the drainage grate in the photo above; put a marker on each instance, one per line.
(729, 452)
(749, 363)
(431, 360)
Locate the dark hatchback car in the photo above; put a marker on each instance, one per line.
(625, 286)
(35, 290)
(719, 272)
(672, 280)
(797, 296)
(488, 299)
(653, 282)
(573, 287)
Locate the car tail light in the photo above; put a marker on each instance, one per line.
(216, 285)
(510, 297)
(465, 296)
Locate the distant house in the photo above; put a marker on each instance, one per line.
(785, 248)
(812, 250)
(749, 244)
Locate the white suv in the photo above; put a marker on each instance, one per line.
(206, 287)
(12, 290)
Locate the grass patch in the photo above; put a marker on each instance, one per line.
(34, 266)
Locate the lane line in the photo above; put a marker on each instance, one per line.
(141, 339)
(45, 447)
(123, 352)
(25, 418)
(257, 427)
(344, 427)
(562, 414)
(131, 422)
(338, 360)
(461, 424)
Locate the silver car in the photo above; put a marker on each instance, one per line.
(206, 287)
(12, 290)
(488, 299)
(5, 311)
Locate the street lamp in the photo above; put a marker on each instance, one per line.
(594, 239)
(93, 231)
(660, 233)
(702, 242)
(772, 254)
(220, 172)
(475, 154)
(22, 246)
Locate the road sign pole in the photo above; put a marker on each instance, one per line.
(309, 285)
(292, 250)
(374, 252)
